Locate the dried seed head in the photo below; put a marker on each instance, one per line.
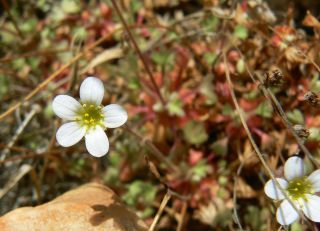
(273, 78)
(301, 131)
(312, 98)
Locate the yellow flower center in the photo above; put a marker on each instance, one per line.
(90, 116)
(299, 187)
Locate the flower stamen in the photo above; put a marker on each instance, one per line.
(299, 187)
(90, 115)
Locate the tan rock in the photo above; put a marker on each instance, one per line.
(90, 207)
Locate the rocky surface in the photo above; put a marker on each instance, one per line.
(90, 207)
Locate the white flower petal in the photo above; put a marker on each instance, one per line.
(294, 168)
(92, 91)
(273, 191)
(65, 107)
(115, 116)
(286, 214)
(69, 134)
(311, 207)
(315, 180)
(97, 142)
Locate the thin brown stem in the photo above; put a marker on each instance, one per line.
(19, 131)
(253, 143)
(22, 157)
(153, 169)
(289, 126)
(33, 53)
(53, 76)
(37, 184)
(163, 204)
(182, 216)
(235, 212)
(153, 149)
(275, 103)
(146, 66)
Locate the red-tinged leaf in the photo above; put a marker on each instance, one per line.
(220, 69)
(312, 121)
(133, 110)
(235, 131)
(158, 78)
(311, 21)
(284, 30)
(266, 140)
(198, 48)
(255, 122)
(126, 172)
(194, 156)
(105, 11)
(313, 145)
(209, 187)
(187, 95)
(147, 99)
(276, 40)
(182, 121)
(145, 32)
(141, 17)
(85, 16)
(248, 105)
(107, 28)
(222, 89)
(197, 115)
(233, 56)
(168, 120)
(282, 35)
(218, 118)
(244, 5)
(182, 56)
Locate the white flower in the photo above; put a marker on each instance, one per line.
(299, 188)
(88, 118)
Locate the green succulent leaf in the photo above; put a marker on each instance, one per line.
(175, 105)
(195, 132)
(264, 110)
(200, 170)
(140, 191)
(296, 116)
(241, 32)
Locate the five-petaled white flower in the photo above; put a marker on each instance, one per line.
(299, 188)
(88, 118)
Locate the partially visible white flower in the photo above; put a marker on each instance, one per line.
(299, 188)
(88, 118)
